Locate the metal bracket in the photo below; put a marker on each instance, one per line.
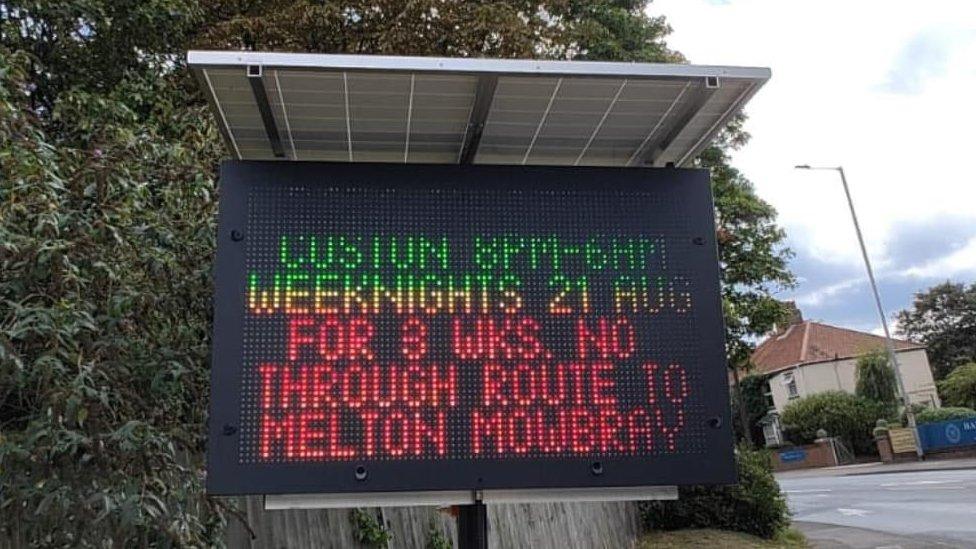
(699, 96)
(476, 122)
(255, 76)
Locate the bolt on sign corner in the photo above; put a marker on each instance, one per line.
(406, 328)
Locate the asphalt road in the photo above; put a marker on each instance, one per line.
(906, 509)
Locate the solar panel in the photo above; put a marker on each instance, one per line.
(355, 108)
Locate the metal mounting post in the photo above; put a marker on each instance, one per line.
(472, 526)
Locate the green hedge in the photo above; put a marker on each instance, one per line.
(850, 417)
(935, 415)
(755, 505)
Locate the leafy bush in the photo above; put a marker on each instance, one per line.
(959, 387)
(935, 415)
(903, 415)
(843, 415)
(106, 237)
(368, 529)
(755, 505)
(437, 539)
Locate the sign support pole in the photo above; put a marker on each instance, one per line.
(472, 526)
(889, 346)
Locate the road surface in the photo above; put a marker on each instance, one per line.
(913, 509)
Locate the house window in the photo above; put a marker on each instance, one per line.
(790, 382)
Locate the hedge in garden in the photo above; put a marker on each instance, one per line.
(935, 415)
(842, 415)
(755, 505)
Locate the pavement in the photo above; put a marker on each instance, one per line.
(906, 506)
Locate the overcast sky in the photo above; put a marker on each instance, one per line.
(888, 90)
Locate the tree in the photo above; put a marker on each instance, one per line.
(108, 156)
(564, 29)
(876, 379)
(943, 318)
(94, 45)
(106, 235)
(752, 257)
(959, 387)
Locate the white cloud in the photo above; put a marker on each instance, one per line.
(892, 328)
(923, 58)
(819, 295)
(884, 88)
(904, 154)
(959, 262)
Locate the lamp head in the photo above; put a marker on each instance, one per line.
(802, 166)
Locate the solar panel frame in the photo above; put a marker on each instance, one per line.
(359, 108)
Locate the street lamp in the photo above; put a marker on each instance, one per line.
(889, 346)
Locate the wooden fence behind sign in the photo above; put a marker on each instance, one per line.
(538, 525)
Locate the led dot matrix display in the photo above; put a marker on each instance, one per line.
(490, 326)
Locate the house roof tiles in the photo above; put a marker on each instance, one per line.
(809, 342)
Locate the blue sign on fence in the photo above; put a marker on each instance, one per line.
(796, 454)
(948, 434)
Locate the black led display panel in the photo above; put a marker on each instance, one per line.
(411, 327)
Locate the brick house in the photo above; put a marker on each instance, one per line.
(807, 358)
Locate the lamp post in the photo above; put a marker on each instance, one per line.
(889, 345)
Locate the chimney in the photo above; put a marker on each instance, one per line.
(795, 315)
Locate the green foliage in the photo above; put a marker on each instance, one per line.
(843, 415)
(944, 319)
(93, 45)
(436, 539)
(107, 200)
(752, 258)
(959, 387)
(880, 428)
(876, 379)
(106, 235)
(755, 505)
(573, 29)
(753, 389)
(368, 530)
(916, 407)
(791, 537)
(935, 415)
